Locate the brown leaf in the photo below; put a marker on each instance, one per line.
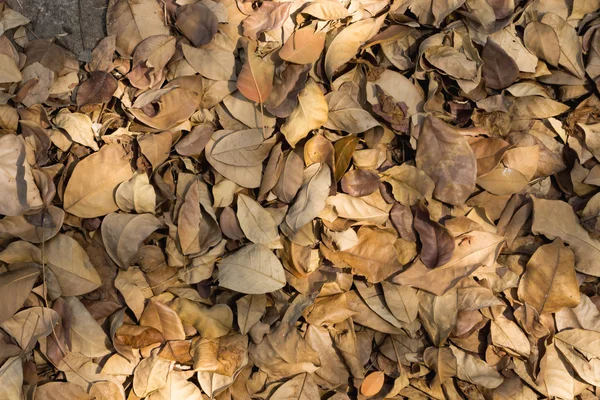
(211, 61)
(556, 218)
(124, 233)
(19, 192)
(439, 314)
(472, 250)
(441, 360)
(98, 89)
(372, 384)
(437, 241)
(542, 41)
(71, 266)
(344, 148)
(224, 355)
(250, 310)
(255, 80)
(290, 178)
(499, 69)
(150, 375)
(347, 43)
(211, 322)
(311, 198)
(360, 183)
(167, 111)
(310, 113)
(156, 147)
(254, 270)
(103, 54)
(304, 46)
(270, 15)
(549, 283)
(160, 317)
(15, 287)
(507, 335)
(409, 184)
(197, 23)
(133, 21)
(194, 142)
(374, 256)
(444, 155)
(90, 194)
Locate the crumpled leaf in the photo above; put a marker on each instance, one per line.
(211, 322)
(224, 355)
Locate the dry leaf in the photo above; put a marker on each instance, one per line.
(19, 193)
(452, 127)
(257, 223)
(74, 272)
(211, 322)
(150, 375)
(211, 61)
(255, 80)
(15, 287)
(136, 195)
(124, 233)
(360, 183)
(444, 155)
(310, 200)
(254, 269)
(436, 240)
(555, 218)
(542, 41)
(310, 113)
(197, 23)
(133, 21)
(87, 337)
(11, 378)
(304, 46)
(472, 250)
(549, 283)
(89, 192)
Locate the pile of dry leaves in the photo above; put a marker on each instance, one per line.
(331, 199)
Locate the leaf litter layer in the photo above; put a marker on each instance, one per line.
(303, 199)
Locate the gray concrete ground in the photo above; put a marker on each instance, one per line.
(77, 24)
